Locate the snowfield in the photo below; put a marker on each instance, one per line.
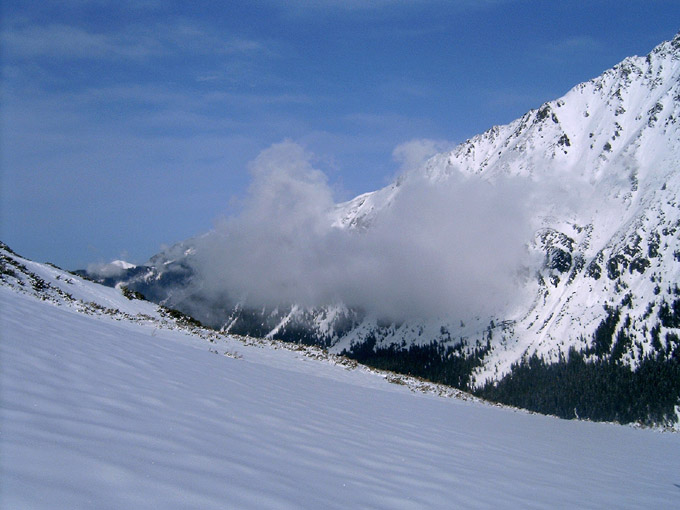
(102, 412)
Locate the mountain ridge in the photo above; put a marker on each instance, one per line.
(602, 167)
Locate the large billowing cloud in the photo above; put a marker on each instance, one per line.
(448, 249)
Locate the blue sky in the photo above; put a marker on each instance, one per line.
(129, 125)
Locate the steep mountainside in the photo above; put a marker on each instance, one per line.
(604, 166)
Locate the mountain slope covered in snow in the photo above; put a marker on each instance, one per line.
(601, 170)
(109, 403)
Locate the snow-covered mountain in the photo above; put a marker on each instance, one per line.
(108, 401)
(602, 165)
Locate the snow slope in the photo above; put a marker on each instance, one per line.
(105, 408)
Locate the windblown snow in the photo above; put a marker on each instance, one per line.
(107, 402)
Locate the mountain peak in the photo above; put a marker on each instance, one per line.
(595, 122)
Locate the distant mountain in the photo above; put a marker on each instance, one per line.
(604, 297)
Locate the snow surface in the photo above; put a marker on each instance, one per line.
(99, 411)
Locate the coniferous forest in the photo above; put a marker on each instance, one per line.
(450, 365)
(593, 383)
(601, 390)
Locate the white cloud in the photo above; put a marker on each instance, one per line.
(447, 249)
(413, 154)
(109, 270)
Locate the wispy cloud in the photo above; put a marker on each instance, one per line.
(66, 41)
(413, 154)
